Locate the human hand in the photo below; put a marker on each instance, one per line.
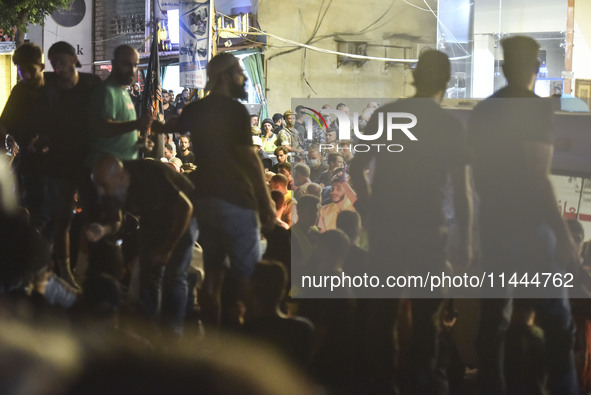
(95, 232)
(145, 121)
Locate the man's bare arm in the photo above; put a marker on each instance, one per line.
(254, 169)
(539, 159)
(182, 210)
(463, 208)
(111, 128)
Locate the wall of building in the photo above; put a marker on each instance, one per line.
(582, 40)
(303, 74)
(7, 78)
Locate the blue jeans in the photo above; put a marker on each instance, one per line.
(163, 289)
(531, 249)
(228, 231)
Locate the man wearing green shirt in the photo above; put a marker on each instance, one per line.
(114, 123)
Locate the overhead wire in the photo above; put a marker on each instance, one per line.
(446, 30)
(329, 51)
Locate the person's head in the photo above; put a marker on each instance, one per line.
(431, 74)
(285, 169)
(520, 64)
(337, 191)
(314, 190)
(331, 136)
(268, 283)
(165, 97)
(335, 160)
(257, 143)
(28, 60)
(308, 210)
(225, 76)
(350, 223)
(300, 115)
(255, 130)
(281, 154)
(110, 178)
(267, 126)
(186, 95)
(301, 174)
(314, 158)
(135, 88)
(254, 120)
(168, 151)
(125, 61)
(289, 118)
(346, 149)
(279, 199)
(64, 61)
(374, 105)
(279, 182)
(343, 107)
(277, 118)
(185, 143)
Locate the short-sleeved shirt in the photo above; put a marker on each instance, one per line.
(67, 128)
(408, 186)
(111, 101)
(498, 130)
(154, 186)
(219, 125)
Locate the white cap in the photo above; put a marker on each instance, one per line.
(256, 140)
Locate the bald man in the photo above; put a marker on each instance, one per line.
(230, 187)
(113, 118)
(159, 196)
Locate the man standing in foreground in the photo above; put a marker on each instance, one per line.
(406, 224)
(520, 226)
(229, 181)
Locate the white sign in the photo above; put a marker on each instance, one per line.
(195, 42)
(73, 25)
(7, 46)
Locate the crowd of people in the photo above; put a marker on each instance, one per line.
(145, 258)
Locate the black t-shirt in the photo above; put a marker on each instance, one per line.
(408, 186)
(154, 186)
(67, 130)
(25, 116)
(189, 158)
(218, 126)
(498, 130)
(169, 112)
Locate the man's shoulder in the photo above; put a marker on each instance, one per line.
(89, 80)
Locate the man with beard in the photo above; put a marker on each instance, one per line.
(187, 156)
(113, 118)
(183, 101)
(342, 198)
(289, 137)
(159, 196)
(167, 107)
(229, 182)
(66, 133)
